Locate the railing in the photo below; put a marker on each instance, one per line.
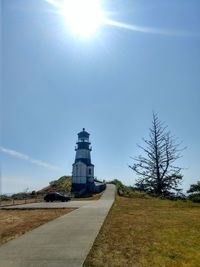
(13, 201)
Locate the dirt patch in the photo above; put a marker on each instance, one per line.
(14, 223)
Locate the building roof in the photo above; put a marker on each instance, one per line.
(83, 133)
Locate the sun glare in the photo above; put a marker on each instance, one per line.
(82, 17)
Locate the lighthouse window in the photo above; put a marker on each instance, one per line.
(89, 171)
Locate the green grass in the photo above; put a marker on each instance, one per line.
(148, 232)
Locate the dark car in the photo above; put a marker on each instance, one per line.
(55, 196)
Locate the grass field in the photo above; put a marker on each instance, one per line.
(149, 232)
(14, 223)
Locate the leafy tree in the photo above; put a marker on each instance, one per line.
(194, 192)
(194, 188)
(156, 169)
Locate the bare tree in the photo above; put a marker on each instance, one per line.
(155, 167)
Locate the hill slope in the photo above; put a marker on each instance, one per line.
(63, 184)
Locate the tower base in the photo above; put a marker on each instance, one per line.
(88, 188)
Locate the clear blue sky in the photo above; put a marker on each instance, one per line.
(54, 84)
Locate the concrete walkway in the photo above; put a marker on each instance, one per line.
(63, 242)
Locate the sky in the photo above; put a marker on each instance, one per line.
(54, 83)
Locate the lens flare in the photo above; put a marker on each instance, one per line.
(82, 17)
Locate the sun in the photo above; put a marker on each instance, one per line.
(82, 17)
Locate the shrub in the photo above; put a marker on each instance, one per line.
(194, 192)
(4, 197)
(194, 197)
(128, 191)
(33, 193)
(20, 196)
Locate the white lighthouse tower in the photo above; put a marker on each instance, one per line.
(83, 169)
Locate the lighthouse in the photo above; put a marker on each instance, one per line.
(83, 169)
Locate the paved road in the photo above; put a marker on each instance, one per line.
(50, 205)
(63, 242)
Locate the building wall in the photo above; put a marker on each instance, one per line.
(79, 173)
(83, 153)
(90, 173)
